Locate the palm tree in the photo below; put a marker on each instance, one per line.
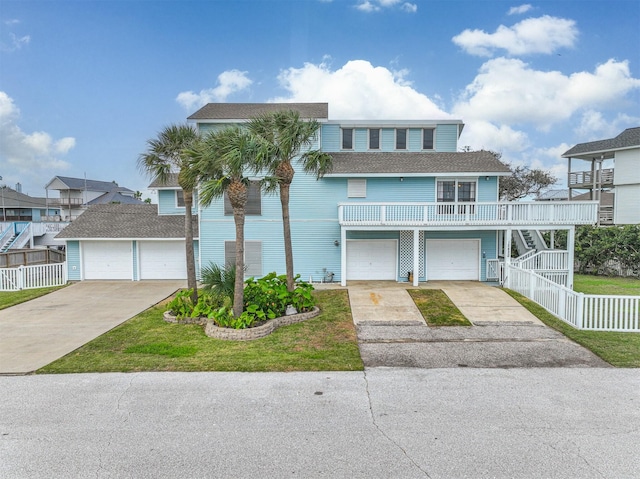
(288, 136)
(221, 159)
(166, 154)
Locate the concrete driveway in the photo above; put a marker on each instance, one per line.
(35, 333)
(392, 333)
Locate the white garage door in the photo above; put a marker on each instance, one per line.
(107, 260)
(453, 259)
(162, 260)
(371, 259)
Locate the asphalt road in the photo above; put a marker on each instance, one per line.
(382, 423)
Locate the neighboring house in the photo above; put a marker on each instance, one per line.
(401, 199)
(23, 221)
(17, 206)
(76, 194)
(623, 152)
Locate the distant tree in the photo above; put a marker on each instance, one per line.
(167, 154)
(523, 182)
(147, 200)
(138, 195)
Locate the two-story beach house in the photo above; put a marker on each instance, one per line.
(612, 177)
(401, 204)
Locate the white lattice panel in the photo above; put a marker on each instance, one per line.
(406, 253)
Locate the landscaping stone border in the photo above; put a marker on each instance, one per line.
(248, 334)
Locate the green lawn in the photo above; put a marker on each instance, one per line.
(618, 349)
(437, 309)
(589, 284)
(147, 343)
(11, 298)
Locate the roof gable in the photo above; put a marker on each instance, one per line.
(629, 138)
(245, 111)
(82, 184)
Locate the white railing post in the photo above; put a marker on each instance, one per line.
(20, 278)
(580, 311)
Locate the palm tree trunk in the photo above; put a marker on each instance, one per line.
(286, 226)
(238, 293)
(188, 240)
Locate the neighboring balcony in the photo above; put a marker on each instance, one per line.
(586, 179)
(66, 202)
(468, 214)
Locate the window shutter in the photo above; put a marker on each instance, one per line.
(357, 188)
(252, 256)
(254, 201)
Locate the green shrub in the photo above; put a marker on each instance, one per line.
(219, 279)
(265, 298)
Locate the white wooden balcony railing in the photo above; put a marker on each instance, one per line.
(586, 178)
(468, 214)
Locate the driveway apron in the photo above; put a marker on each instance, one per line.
(392, 333)
(35, 333)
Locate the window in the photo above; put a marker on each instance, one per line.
(179, 199)
(347, 138)
(254, 201)
(401, 138)
(374, 138)
(427, 138)
(456, 191)
(252, 256)
(357, 188)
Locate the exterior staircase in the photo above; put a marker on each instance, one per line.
(16, 236)
(529, 241)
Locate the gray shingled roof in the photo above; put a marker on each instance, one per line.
(14, 199)
(126, 221)
(395, 163)
(170, 182)
(242, 111)
(627, 139)
(115, 197)
(88, 185)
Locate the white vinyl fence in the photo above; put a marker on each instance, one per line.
(32, 277)
(583, 311)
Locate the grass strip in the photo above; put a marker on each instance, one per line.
(437, 309)
(147, 343)
(589, 284)
(618, 349)
(11, 298)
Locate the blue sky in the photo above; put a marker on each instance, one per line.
(84, 84)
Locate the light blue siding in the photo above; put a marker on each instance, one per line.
(330, 137)
(167, 203)
(487, 189)
(73, 260)
(488, 244)
(446, 138)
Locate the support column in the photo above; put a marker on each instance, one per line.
(571, 246)
(343, 257)
(507, 246)
(416, 256)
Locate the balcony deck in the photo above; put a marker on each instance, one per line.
(585, 179)
(468, 214)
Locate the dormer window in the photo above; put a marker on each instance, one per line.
(179, 199)
(374, 138)
(401, 138)
(427, 138)
(347, 138)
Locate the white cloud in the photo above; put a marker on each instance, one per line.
(519, 10)
(508, 91)
(595, 126)
(484, 135)
(534, 35)
(27, 154)
(14, 43)
(358, 90)
(377, 5)
(229, 82)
